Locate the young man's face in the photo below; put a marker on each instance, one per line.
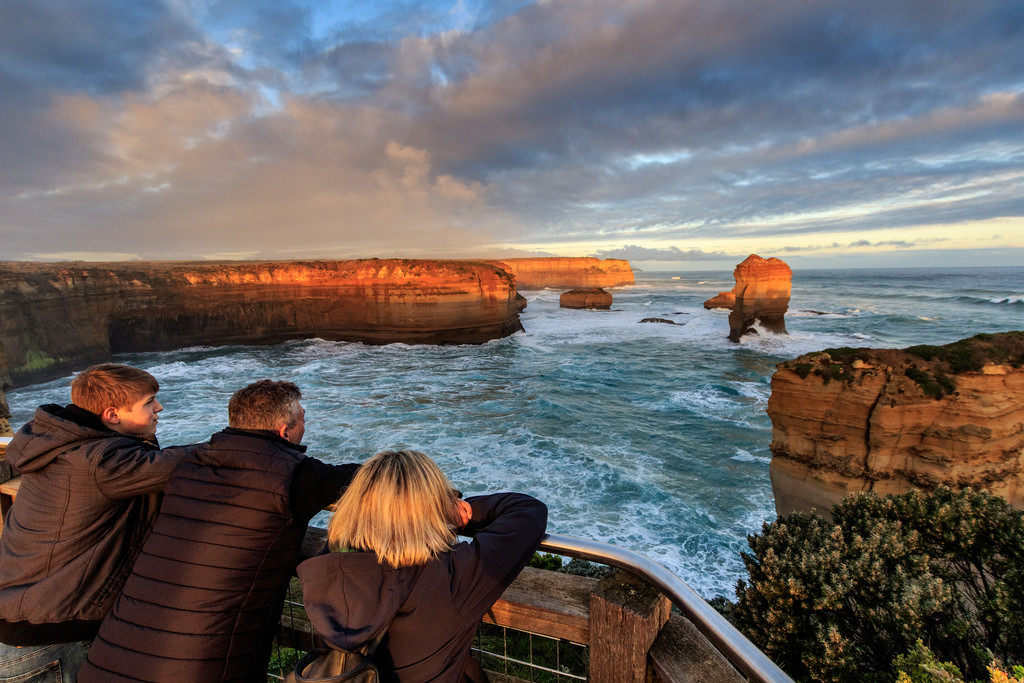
(138, 419)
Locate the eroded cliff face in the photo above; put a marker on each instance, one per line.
(55, 318)
(850, 420)
(5, 384)
(761, 294)
(568, 273)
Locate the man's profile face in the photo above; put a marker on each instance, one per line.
(295, 431)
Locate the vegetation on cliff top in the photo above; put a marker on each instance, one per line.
(965, 355)
(930, 367)
(841, 601)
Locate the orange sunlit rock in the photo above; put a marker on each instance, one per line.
(57, 317)
(865, 424)
(761, 295)
(592, 297)
(568, 273)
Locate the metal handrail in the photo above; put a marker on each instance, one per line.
(740, 652)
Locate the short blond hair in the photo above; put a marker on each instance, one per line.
(111, 385)
(401, 506)
(266, 404)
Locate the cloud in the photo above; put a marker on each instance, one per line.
(633, 252)
(292, 128)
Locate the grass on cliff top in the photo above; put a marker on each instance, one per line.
(966, 355)
(929, 366)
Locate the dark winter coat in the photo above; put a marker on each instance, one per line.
(433, 609)
(87, 499)
(206, 593)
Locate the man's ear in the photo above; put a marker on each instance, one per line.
(282, 431)
(110, 415)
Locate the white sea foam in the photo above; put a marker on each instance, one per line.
(745, 456)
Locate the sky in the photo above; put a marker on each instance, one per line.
(678, 134)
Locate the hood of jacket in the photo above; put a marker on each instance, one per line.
(353, 598)
(47, 435)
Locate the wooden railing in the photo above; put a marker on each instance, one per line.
(626, 623)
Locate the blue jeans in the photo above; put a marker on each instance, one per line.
(57, 663)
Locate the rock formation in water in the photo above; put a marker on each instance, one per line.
(568, 273)
(592, 297)
(60, 317)
(849, 420)
(761, 294)
(666, 321)
(721, 300)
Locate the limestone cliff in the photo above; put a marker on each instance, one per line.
(5, 384)
(568, 273)
(761, 294)
(58, 317)
(848, 420)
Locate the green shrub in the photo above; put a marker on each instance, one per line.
(546, 561)
(802, 369)
(840, 601)
(921, 666)
(931, 386)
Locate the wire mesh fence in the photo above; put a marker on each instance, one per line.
(508, 654)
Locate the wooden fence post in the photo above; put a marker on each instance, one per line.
(626, 615)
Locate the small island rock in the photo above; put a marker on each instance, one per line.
(593, 297)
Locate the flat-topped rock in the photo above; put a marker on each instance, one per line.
(592, 297)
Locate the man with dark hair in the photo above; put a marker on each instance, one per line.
(91, 475)
(206, 593)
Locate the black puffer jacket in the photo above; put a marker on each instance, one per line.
(205, 596)
(433, 609)
(87, 500)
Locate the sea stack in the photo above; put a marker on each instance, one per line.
(885, 420)
(593, 297)
(56, 318)
(761, 295)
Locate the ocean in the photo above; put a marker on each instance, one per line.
(652, 437)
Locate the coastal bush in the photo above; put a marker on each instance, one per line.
(845, 354)
(936, 387)
(921, 666)
(970, 355)
(840, 601)
(802, 369)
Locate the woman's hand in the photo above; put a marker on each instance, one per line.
(463, 513)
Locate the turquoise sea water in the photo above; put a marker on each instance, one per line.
(652, 437)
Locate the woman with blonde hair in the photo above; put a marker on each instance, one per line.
(395, 569)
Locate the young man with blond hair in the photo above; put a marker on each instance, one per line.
(205, 596)
(91, 475)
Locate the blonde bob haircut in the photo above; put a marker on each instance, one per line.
(399, 506)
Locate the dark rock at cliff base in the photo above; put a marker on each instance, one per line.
(593, 297)
(659, 320)
(5, 384)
